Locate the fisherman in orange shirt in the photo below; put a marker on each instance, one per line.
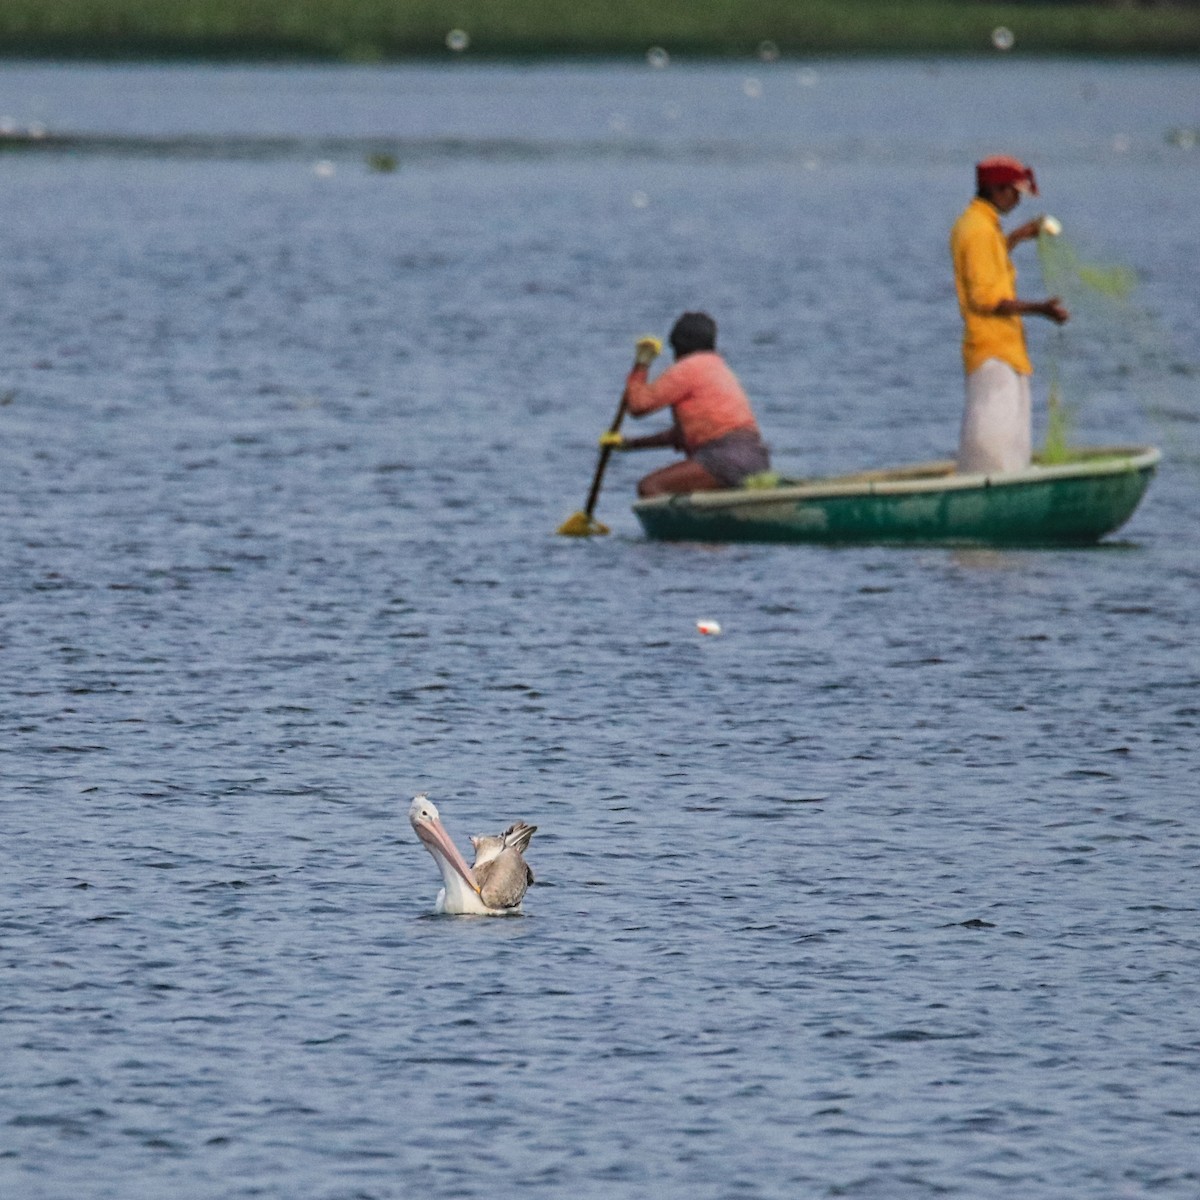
(712, 424)
(997, 425)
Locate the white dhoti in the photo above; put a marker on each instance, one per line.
(997, 425)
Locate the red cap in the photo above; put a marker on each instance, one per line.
(1000, 169)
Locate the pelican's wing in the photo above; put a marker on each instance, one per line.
(503, 881)
(516, 836)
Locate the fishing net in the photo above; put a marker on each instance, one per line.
(1124, 346)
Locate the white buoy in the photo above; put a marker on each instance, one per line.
(711, 628)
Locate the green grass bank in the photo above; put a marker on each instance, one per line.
(382, 30)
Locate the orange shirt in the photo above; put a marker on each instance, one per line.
(983, 276)
(707, 400)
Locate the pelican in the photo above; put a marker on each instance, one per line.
(492, 893)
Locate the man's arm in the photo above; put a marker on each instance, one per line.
(981, 265)
(1024, 233)
(665, 437)
(644, 397)
(1052, 309)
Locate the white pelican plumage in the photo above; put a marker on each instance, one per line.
(494, 891)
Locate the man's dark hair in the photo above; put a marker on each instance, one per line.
(693, 331)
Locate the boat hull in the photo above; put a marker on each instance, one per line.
(1073, 503)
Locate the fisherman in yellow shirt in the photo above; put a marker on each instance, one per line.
(997, 424)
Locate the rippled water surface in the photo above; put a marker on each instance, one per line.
(888, 891)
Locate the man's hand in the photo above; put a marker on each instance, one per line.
(648, 349)
(1025, 233)
(1056, 311)
(611, 438)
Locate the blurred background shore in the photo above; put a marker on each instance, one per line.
(383, 30)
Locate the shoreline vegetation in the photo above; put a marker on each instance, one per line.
(367, 31)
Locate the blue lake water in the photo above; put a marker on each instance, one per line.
(889, 891)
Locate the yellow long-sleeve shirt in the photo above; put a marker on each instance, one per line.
(983, 276)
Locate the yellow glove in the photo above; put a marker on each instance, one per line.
(611, 438)
(648, 349)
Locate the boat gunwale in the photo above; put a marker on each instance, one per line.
(935, 476)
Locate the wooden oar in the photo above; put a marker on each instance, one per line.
(582, 523)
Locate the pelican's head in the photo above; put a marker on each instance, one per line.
(424, 818)
(422, 810)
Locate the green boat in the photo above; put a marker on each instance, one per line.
(1062, 503)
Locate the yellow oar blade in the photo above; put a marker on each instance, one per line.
(581, 525)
